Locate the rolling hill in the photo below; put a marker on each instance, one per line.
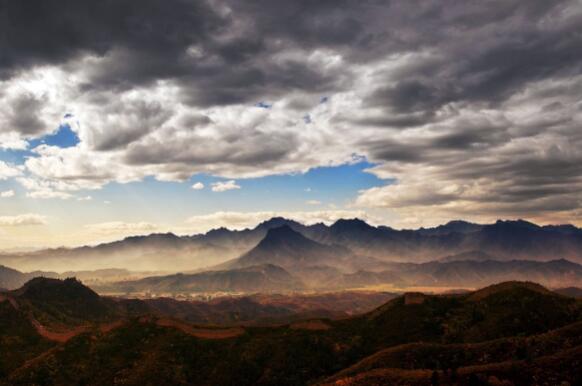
(479, 335)
(12, 279)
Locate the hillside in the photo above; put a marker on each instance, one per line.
(255, 278)
(306, 270)
(11, 279)
(574, 292)
(68, 302)
(289, 249)
(457, 362)
(469, 273)
(531, 326)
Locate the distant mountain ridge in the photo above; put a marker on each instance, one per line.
(502, 240)
(286, 261)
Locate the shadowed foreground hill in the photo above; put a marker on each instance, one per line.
(536, 330)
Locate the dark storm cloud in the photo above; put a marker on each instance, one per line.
(250, 148)
(24, 114)
(36, 32)
(486, 51)
(252, 82)
(391, 120)
(483, 96)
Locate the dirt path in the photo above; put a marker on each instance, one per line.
(204, 333)
(107, 327)
(60, 336)
(314, 325)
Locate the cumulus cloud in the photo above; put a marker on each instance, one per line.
(8, 171)
(12, 141)
(224, 186)
(22, 220)
(313, 202)
(48, 194)
(454, 128)
(7, 193)
(44, 189)
(198, 186)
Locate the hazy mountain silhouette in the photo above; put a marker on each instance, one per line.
(288, 248)
(503, 240)
(455, 226)
(256, 278)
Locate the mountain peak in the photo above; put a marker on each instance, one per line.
(458, 222)
(287, 248)
(453, 226)
(519, 223)
(351, 224)
(283, 233)
(276, 222)
(43, 287)
(169, 236)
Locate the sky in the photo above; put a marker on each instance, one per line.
(125, 117)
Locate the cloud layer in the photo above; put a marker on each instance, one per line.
(466, 109)
(22, 220)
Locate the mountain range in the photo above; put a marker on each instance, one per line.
(502, 240)
(287, 260)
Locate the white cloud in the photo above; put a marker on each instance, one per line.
(22, 220)
(84, 198)
(49, 194)
(12, 141)
(198, 186)
(313, 202)
(224, 186)
(8, 171)
(7, 193)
